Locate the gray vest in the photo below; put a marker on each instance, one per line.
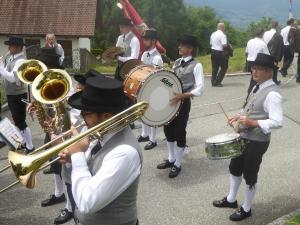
(17, 87)
(186, 74)
(126, 46)
(122, 210)
(255, 110)
(149, 60)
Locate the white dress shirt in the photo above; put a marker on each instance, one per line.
(272, 106)
(255, 46)
(11, 76)
(60, 51)
(199, 78)
(268, 35)
(119, 170)
(134, 45)
(150, 59)
(285, 35)
(217, 40)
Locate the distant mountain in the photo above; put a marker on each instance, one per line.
(241, 12)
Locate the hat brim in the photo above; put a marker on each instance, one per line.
(182, 41)
(264, 65)
(80, 78)
(76, 102)
(13, 43)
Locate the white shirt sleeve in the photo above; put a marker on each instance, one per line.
(144, 55)
(273, 106)
(157, 61)
(135, 50)
(266, 50)
(119, 41)
(119, 170)
(223, 39)
(61, 52)
(10, 76)
(199, 80)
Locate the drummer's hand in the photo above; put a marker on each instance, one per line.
(179, 97)
(232, 120)
(80, 146)
(248, 122)
(65, 157)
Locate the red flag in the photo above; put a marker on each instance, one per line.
(131, 13)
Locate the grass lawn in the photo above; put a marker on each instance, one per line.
(294, 221)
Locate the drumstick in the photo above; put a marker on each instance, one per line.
(225, 113)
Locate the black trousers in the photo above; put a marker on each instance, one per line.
(18, 109)
(249, 162)
(288, 57)
(219, 65)
(298, 68)
(70, 195)
(176, 129)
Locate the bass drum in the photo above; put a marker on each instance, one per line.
(157, 87)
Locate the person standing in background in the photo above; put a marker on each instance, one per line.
(52, 43)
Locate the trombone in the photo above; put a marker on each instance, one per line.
(25, 167)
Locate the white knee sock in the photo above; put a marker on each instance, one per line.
(68, 204)
(59, 186)
(179, 156)
(26, 133)
(171, 146)
(145, 130)
(235, 183)
(249, 196)
(153, 134)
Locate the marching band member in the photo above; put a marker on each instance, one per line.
(105, 172)
(15, 90)
(190, 73)
(129, 42)
(150, 57)
(261, 114)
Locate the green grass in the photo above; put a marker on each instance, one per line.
(294, 221)
(236, 63)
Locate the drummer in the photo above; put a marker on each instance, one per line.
(261, 113)
(190, 72)
(129, 42)
(150, 57)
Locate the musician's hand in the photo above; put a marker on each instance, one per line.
(49, 122)
(65, 157)
(179, 97)
(80, 146)
(31, 108)
(232, 120)
(246, 121)
(56, 142)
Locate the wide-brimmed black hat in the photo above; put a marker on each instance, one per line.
(49, 57)
(150, 34)
(265, 61)
(189, 40)
(14, 40)
(125, 22)
(101, 94)
(81, 78)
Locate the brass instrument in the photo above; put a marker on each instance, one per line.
(29, 70)
(25, 167)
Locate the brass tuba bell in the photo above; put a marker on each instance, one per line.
(29, 70)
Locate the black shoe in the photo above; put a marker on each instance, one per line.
(298, 80)
(174, 171)
(132, 126)
(53, 200)
(166, 164)
(27, 150)
(240, 215)
(2, 144)
(150, 145)
(143, 139)
(63, 217)
(278, 82)
(223, 203)
(48, 171)
(219, 85)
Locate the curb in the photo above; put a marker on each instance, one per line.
(282, 220)
(4, 107)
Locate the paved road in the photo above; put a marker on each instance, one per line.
(187, 199)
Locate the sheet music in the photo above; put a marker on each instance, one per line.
(10, 134)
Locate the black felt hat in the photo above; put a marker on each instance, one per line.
(125, 22)
(101, 94)
(49, 57)
(150, 34)
(189, 40)
(14, 40)
(265, 61)
(81, 78)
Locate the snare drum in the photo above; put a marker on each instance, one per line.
(157, 87)
(224, 146)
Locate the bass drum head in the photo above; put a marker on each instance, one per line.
(158, 89)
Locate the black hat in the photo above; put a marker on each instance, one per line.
(81, 78)
(49, 57)
(101, 94)
(189, 40)
(265, 61)
(14, 40)
(125, 22)
(151, 34)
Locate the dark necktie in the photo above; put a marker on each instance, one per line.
(148, 55)
(256, 88)
(96, 148)
(123, 37)
(182, 63)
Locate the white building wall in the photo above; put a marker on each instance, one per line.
(84, 43)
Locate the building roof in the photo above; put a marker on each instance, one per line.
(61, 17)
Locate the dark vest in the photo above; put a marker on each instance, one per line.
(186, 74)
(122, 210)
